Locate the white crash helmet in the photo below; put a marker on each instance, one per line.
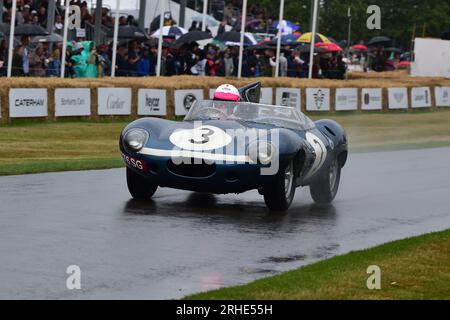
(227, 92)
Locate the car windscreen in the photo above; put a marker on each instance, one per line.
(283, 117)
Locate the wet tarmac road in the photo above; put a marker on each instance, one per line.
(184, 242)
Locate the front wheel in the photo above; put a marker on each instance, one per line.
(324, 190)
(140, 187)
(278, 195)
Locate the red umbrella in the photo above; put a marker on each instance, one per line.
(330, 47)
(404, 64)
(360, 47)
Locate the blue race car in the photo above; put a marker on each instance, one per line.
(232, 147)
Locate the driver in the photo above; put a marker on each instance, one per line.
(227, 92)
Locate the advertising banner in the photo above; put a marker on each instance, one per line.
(371, 99)
(346, 99)
(24, 103)
(114, 101)
(152, 102)
(184, 99)
(317, 99)
(442, 96)
(72, 102)
(421, 97)
(289, 97)
(398, 98)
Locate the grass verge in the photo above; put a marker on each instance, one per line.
(32, 147)
(414, 268)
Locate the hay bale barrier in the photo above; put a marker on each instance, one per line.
(384, 81)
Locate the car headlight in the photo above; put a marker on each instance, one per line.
(261, 151)
(135, 139)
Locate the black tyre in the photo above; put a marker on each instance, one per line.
(278, 195)
(324, 189)
(140, 187)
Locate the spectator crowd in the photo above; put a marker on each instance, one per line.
(138, 57)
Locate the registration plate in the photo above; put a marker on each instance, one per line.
(135, 163)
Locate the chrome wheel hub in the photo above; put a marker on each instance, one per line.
(288, 178)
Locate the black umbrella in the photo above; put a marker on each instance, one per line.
(191, 37)
(261, 47)
(129, 32)
(395, 50)
(30, 30)
(306, 48)
(54, 37)
(5, 28)
(232, 36)
(380, 41)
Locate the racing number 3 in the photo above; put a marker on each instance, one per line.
(205, 136)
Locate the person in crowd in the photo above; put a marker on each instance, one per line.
(3, 57)
(37, 62)
(133, 58)
(54, 63)
(58, 27)
(193, 26)
(143, 64)
(104, 60)
(122, 61)
(92, 61)
(228, 63)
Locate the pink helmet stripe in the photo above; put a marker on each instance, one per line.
(226, 96)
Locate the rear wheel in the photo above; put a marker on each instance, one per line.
(278, 195)
(140, 187)
(324, 190)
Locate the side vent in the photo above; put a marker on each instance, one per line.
(330, 131)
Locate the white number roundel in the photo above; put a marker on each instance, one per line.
(200, 138)
(320, 151)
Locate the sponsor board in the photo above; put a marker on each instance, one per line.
(152, 102)
(346, 99)
(371, 99)
(266, 96)
(288, 97)
(72, 102)
(25, 103)
(421, 97)
(114, 101)
(184, 99)
(398, 98)
(317, 99)
(442, 96)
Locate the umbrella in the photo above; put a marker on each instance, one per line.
(329, 47)
(54, 37)
(210, 21)
(306, 38)
(395, 50)
(404, 64)
(30, 30)
(359, 47)
(170, 31)
(379, 41)
(288, 39)
(233, 37)
(306, 48)
(192, 36)
(5, 28)
(128, 32)
(260, 47)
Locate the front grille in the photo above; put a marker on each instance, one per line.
(193, 170)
